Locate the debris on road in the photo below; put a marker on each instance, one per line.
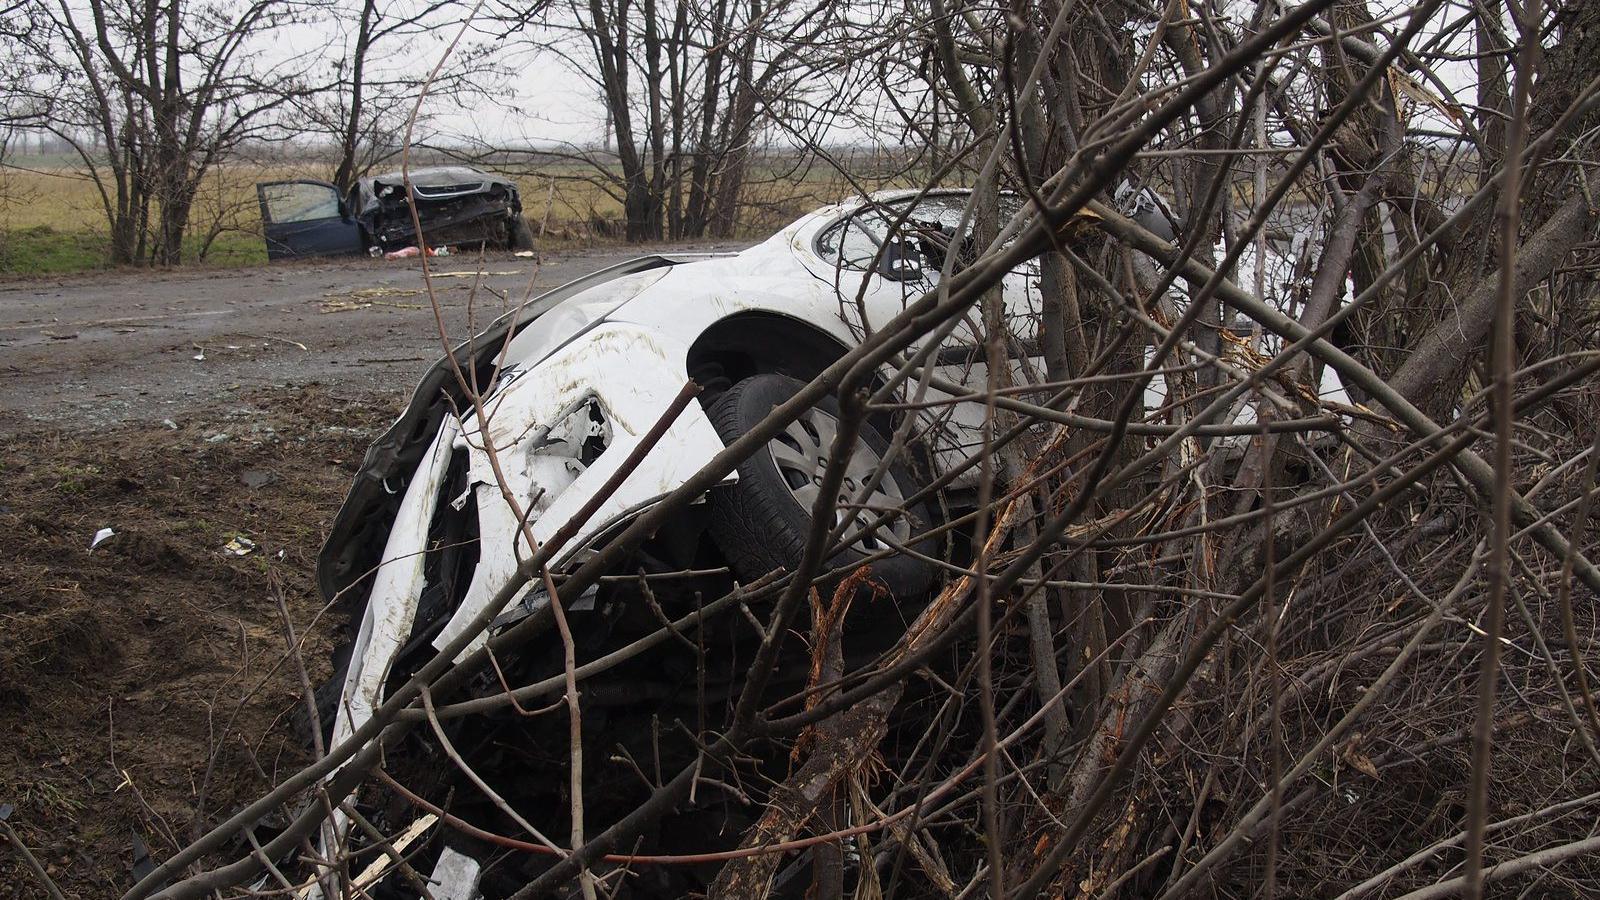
(239, 546)
(268, 337)
(140, 634)
(474, 274)
(363, 298)
(255, 478)
(410, 252)
(100, 537)
(150, 374)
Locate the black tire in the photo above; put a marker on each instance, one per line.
(518, 235)
(761, 521)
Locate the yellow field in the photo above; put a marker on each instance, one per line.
(66, 200)
(52, 219)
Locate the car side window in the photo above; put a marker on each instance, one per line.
(853, 242)
(298, 201)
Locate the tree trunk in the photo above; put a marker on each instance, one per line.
(730, 181)
(344, 175)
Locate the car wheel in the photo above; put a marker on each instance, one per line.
(762, 521)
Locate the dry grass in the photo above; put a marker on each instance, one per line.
(52, 216)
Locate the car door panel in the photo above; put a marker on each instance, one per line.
(306, 218)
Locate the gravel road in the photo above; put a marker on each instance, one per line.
(133, 347)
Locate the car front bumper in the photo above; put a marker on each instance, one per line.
(559, 432)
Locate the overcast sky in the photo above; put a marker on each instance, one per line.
(551, 103)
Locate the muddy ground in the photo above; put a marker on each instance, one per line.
(144, 685)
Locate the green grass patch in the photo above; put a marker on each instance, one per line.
(232, 248)
(44, 250)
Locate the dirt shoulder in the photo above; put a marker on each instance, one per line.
(145, 691)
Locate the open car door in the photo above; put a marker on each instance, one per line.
(306, 218)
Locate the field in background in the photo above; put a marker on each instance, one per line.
(52, 220)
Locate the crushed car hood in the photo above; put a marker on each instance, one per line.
(361, 528)
(428, 182)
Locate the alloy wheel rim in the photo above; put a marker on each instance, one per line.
(800, 454)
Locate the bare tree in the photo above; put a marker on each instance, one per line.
(376, 79)
(150, 97)
(685, 91)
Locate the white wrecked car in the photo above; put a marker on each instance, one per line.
(572, 382)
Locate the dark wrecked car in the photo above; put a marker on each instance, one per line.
(457, 205)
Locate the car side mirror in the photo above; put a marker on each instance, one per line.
(900, 261)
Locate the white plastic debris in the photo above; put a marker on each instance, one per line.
(201, 356)
(239, 546)
(101, 536)
(457, 876)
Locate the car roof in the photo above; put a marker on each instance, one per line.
(856, 201)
